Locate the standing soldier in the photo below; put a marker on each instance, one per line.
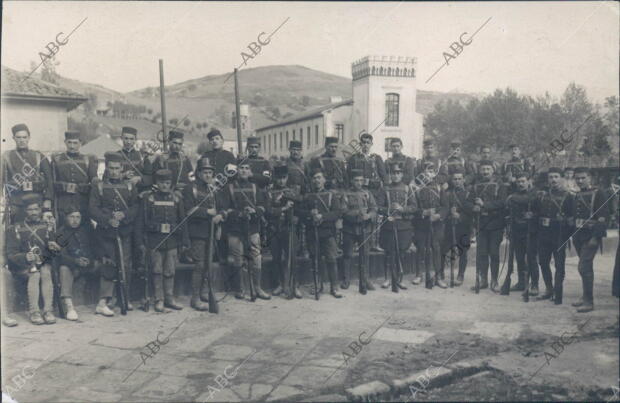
(488, 197)
(460, 217)
(161, 216)
(428, 222)
(72, 174)
(397, 203)
(359, 209)
(113, 205)
(246, 204)
(321, 208)
(590, 226)
(24, 171)
(523, 233)
(407, 163)
(332, 166)
(553, 208)
(203, 205)
(261, 168)
(514, 165)
(429, 156)
(485, 155)
(218, 156)
(297, 175)
(282, 202)
(455, 161)
(569, 180)
(373, 169)
(136, 166)
(28, 247)
(176, 162)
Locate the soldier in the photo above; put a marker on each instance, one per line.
(429, 156)
(113, 205)
(282, 201)
(553, 208)
(407, 163)
(136, 166)
(485, 155)
(461, 218)
(456, 161)
(261, 168)
(218, 156)
(397, 203)
(429, 229)
(72, 174)
(514, 165)
(523, 230)
(569, 180)
(29, 244)
(332, 166)
(297, 175)
(24, 171)
(591, 226)
(176, 162)
(76, 256)
(321, 209)
(488, 198)
(245, 204)
(161, 216)
(203, 205)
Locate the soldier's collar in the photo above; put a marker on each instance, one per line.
(22, 150)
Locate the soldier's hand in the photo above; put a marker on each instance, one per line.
(218, 219)
(456, 215)
(426, 212)
(83, 262)
(314, 211)
(391, 219)
(478, 201)
(289, 204)
(212, 211)
(30, 257)
(601, 219)
(135, 180)
(249, 210)
(318, 218)
(397, 207)
(113, 223)
(119, 215)
(444, 186)
(365, 216)
(477, 209)
(435, 217)
(53, 246)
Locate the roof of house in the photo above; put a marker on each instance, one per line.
(311, 114)
(17, 85)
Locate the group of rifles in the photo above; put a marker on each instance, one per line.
(147, 211)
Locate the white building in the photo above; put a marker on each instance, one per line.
(384, 103)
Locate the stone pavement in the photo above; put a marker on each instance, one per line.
(303, 350)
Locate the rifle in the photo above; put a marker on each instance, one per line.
(291, 257)
(477, 285)
(213, 306)
(453, 254)
(315, 258)
(247, 261)
(147, 270)
(526, 292)
(121, 280)
(362, 252)
(396, 271)
(428, 254)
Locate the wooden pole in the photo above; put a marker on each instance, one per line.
(162, 95)
(238, 117)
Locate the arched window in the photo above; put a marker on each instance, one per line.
(392, 102)
(397, 71)
(373, 70)
(380, 71)
(389, 71)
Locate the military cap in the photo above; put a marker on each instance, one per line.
(204, 163)
(569, 169)
(485, 162)
(242, 161)
(175, 135)
(519, 173)
(365, 135)
(579, 170)
(163, 175)
(316, 171)
(556, 170)
(129, 130)
(456, 143)
(356, 172)
(214, 132)
(112, 156)
(72, 135)
(31, 198)
(20, 127)
(513, 145)
(396, 166)
(252, 140)
(395, 140)
(294, 144)
(458, 170)
(280, 171)
(485, 146)
(71, 208)
(331, 140)
(428, 142)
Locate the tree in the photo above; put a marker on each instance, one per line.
(48, 70)
(149, 111)
(305, 100)
(173, 121)
(187, 122)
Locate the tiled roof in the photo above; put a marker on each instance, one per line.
(307, 115)
(15, 83)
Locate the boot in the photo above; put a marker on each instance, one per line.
(198, 305)
(69, 309)
(237, 283)
(259, 291)
(159, 306)
(49, 317)
(386, 283)
(494, 285)
(416, 280)
(440, 283)
(484, 279)
(9, 321)
(204, 290)
(102, 308)
(36, 318)
(547, 295)
(333, 275)
(297, 293)
(534, 290)
(196, 301)
(278, 290)
(557, 294)
(346, 273)
(169, 300)
(588, 297)
(520, 286)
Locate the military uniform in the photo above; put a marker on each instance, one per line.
(33, 236)
(328, 205)
(553, 208)
(512, 167)
(198, 198)
(590, 226)
(458, 201)
(333, 168)
(72, 175)
(24, 172)
(161, 216)
(243, 230)
(279, 223)
(408, 164)
(397, 202)
(178, 163)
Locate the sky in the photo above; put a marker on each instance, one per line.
(532, 47)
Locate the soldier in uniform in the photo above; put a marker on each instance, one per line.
(218, 157)
(590, 226)
(24, 171)
(429, 228)
(553, 207)
(397, 203)
(485, 155)
(76, 256)
(523, 230)
(282, 200)
(569, 180)
(261, 168)
(332, 166)
(162, 217)
(407, 163)
(245, 203)
(455, 161)
(488, 197)
(176, 162)
(514, 165)
(136, 166)
(29, 244)
(429, 156)
(203, 205)
(113, 205)
(72, 174)
(297, 173)
(460, 217)
(321, 208)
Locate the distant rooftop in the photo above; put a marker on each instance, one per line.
(313, 113)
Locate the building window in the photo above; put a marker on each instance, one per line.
(391, 109)
(293, 134)
(339, 129)
(308, 134)
(316, 135)
(286, 144)
(281, 141)
(301, 134)
(269, 142)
